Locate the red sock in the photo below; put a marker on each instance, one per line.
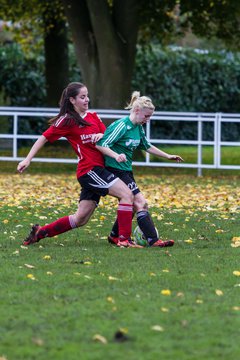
(59, 226)
(124, 217)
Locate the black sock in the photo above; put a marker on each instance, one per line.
(147, 226)
(114, 231)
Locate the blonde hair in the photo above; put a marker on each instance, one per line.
(140, 101)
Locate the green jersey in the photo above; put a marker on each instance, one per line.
(123, 137)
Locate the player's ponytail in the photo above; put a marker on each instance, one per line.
(139, 101)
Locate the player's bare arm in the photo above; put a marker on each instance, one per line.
(34, 150)
(109, 152)
(155, 151)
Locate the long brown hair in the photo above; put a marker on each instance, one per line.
(66, 107)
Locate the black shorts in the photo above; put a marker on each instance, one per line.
(127, 177)
(95, 183)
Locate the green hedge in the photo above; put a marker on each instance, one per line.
(176, 80)
(186, 80)
(21, 79)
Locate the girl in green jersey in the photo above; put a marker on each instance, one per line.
(122, 137)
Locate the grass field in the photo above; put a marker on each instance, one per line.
(76, 297)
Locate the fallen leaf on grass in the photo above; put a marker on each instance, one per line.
(112, 278)
(100, 338)
(188, 241)
(29, 266)
(157, 328)
(166, 292)
(163, 309)
(236, 238)
(110, 299)
(219, 292)
(236, 273)
(235, 241)
(47, 257)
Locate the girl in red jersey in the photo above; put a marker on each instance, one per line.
(83, 129)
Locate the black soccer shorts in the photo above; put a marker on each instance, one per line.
(127, 177)
(95, 183)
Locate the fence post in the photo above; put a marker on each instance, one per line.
(199, 171)
(15, 132)
(217, 132)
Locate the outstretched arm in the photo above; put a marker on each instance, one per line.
(155, 151)
(109, 152)
(34, 150)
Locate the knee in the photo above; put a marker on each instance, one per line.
(140, 205)
(79, 220)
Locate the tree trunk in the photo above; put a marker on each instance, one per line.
(105, 43)
(56, 58)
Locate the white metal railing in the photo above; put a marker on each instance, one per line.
(16, 113)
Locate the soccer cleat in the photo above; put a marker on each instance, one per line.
(122, 242)
(32, 237)
(161, 243)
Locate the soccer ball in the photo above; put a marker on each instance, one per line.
(139, 237)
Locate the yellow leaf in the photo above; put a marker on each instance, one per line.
(236, 238)
(29, 266)
(166, 292)
(110, 299)
(124, 330)
(100, 338)
(87, 263)
(163, 309)
(219, 292)
(47, 257)
(157, 328)
(189, 241)
(5, 221)
(236, 273)
(235, 244)
(112, 278)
